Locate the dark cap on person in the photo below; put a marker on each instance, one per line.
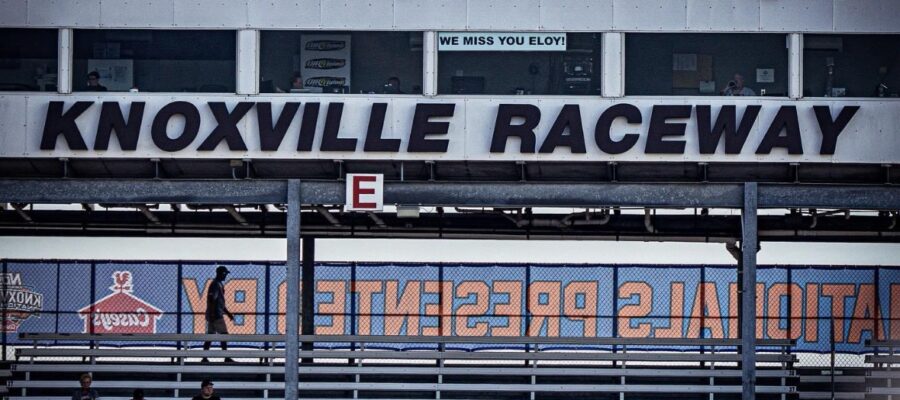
(138, 394)
(206, 382)
(94, 74)
(222, 270)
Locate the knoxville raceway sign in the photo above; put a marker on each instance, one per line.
(475, 129)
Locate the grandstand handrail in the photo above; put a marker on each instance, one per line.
(592, 370)
(603, 341)
(450, 387)
(407, 355)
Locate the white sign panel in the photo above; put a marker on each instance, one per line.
(501, 41)
(520, 128)
(365, 192)
(325, 62)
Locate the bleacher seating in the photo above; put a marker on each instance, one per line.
(359, 367)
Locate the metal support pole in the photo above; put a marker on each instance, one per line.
(64, 72)
(795, 65)
(292, 325)
(307, 293)
(748, 294)
(429, 64)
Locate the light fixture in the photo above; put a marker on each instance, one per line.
(407, 211)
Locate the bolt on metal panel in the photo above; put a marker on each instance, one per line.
(866, 15)
(285, 14)
(60, 13)
(358, 14)
(649, 15)
(576, 15)
(719, 15)
(504, 14)
(139, 14)
(430, 14)
(210, 13)
(14, 13)
(796, 15)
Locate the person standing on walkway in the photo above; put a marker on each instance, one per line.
(216, 311)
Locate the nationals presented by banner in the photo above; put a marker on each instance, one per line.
(800, 302)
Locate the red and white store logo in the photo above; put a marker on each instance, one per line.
(121, 311)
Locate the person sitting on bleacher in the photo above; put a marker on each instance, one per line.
(85, 393)
(137, 394)
(206, 391)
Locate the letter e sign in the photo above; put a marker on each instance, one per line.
(365, 192)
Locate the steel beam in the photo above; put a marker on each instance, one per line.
(307, 294)
(748, 293)
(473, 194)
(137, 191)
(858, 197)
(292, 324)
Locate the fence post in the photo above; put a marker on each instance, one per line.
(292, 268)
(56, 309)
(527, 310)
(179, 310)
(5, 306)
(352, 308)
(267, 312)
(749, 240)
(615, 308)
(831, 335)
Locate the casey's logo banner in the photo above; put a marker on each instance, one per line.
(311, 126)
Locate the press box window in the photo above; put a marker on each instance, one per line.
(341, 62)
(704, 64)
(851, 65)
(519, 63)
(28, 60)
(154, 61)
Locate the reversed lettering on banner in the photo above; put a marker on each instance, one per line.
(121, 311)
(852, 304)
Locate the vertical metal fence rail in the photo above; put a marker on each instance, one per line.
(615, 323)
(831, 344)
(527, 289)
(5, 290)
(352, 307)
(90, 318)
(526, 303)
(749, 246)
(266, 316)
(441, 347)
(56, 310)
(179, 312)
(790, 320)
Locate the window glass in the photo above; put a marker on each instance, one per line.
(28, 59)
(704, 64)
(851, 65)
(154, 61)
(341, 62)
(570, 68)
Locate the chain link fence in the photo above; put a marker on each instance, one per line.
(829, 310)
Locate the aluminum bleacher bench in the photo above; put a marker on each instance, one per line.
(387, 372)
(884, 378)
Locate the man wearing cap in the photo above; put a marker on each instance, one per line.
(206, 391)
(216, 310)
